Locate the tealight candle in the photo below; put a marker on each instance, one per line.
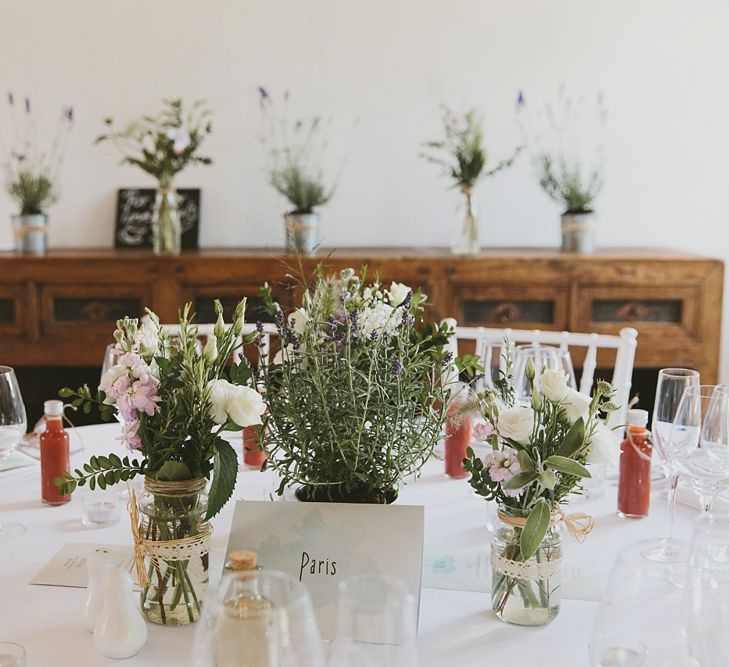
(100, 511)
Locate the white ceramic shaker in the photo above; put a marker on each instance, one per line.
(121, 630)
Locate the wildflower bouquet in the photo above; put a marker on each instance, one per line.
(538, 455)
(174, 401)
(354, 399)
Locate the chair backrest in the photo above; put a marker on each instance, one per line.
(486, 340)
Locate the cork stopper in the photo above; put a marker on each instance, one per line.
(245, 559)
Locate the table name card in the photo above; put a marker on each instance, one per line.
(68, 565)
(323, 543)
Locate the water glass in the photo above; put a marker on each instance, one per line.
(640, 620)
(543, 357)
(11, 655)
(376, 623)
(260, 618)
(707, 593)
(13, 424)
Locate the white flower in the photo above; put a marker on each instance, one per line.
(604, 446)
(181, 138)
(147, 337)
(576, 405)
(553, 384)
(210, 351)
(298, 320)
(380, 318)
(109, 378)
(229, 402)
(516, 424)
(398, 293)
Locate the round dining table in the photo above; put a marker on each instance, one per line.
(456, 624)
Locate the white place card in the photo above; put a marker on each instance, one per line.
(68, 565)
(323, 543)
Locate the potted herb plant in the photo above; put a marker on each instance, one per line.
(297, 153)
(162, 146)
(560, 151)
(354, 399)
(464, 159)
(32, 176)
(538, 455)
(174, 402)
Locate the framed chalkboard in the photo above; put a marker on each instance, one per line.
(134, 207)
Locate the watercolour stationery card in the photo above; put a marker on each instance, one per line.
(68, 565)
(323, 543)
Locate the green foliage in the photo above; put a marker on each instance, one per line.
(305, 191)
(163, 145)
(101, 471)
(567, 185)
(354, 400)
(33, 192)
(535, 529)
(462, 153)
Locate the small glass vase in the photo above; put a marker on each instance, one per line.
(465, 240)
(176, 542)
(524, 593)
(166, 227)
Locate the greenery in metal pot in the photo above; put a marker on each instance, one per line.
(354, 397)
(31, 171)
(461, 152)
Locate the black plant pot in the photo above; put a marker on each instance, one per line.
(333, 494)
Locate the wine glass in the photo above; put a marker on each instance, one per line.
(376, 623)
(12, 428)
(671, 384)
(543, 357)
(706, 601)
(263, 615)
(640, 620)
(111, 356)
(11, 655)
(699, 441)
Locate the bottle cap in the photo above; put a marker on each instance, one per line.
(53, 408)
(638, 417)
(245, 559)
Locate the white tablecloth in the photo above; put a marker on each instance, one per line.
(456, 627)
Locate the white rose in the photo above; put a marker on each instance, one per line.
(604, 446)
(398, 293)
(553, 384)
(516, 424)
(244, 405)
(298, 320)
(218, 398)
(576, 404)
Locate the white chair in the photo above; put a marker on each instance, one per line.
(487, 340)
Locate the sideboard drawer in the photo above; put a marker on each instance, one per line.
(514, 306)
(203, 298)
(16, 303)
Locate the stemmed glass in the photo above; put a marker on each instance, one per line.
(376, 623)
(706, 601)
(12, 428)
(699, 442)
(11, 655)
(640, 620)
(671, 384)
(544, 357)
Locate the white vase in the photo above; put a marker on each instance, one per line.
(120, 631)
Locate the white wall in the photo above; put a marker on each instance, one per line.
(661, 63)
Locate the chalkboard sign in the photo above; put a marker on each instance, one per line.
(134, 207)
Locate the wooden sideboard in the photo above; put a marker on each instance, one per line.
(59, 310)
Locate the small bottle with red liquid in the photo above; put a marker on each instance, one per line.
(252, 455)
(54, 453)
(458, 432)
(634, 487)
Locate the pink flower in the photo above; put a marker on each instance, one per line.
(483, 430)
(129, 434)
(502, 465)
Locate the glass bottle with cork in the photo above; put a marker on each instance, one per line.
(54, 453)
(634, 486)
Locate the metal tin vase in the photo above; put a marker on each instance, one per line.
(578, 232)
(302, 232)
(30, 232)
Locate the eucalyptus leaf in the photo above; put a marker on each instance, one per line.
(521, 479)
(525, 461)
(567, 466)
(573, 440)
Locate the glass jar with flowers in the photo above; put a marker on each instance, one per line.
(463, 158)
(354, 398)
(538, 456)
(174, 401)
(163, 146)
